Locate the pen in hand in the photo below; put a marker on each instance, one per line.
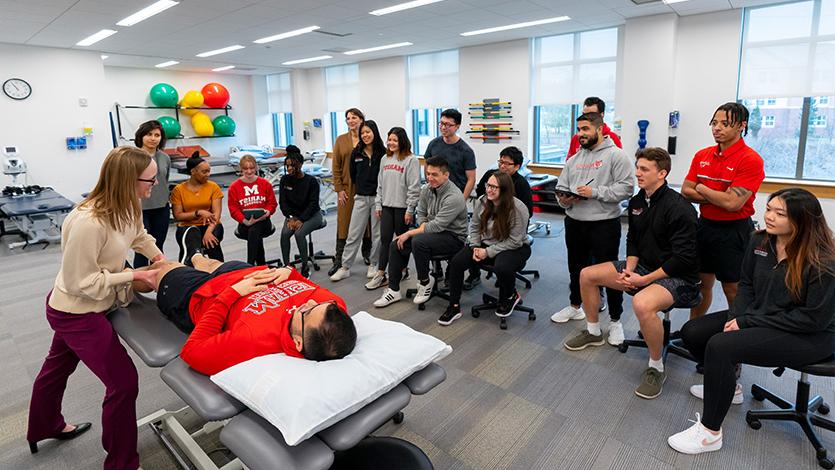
(590, 182)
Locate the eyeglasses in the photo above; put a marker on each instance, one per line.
(145, 180)
(505, 163)
(492, 187)
(446, 124)
(306, 312)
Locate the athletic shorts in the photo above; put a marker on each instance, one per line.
(721, 247)
(684, 292)
(178, 285)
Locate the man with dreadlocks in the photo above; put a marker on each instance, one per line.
(723, 180)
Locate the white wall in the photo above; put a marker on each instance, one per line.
(308, 104)
(130, 86)
(40, 124)
(502, 71)
(645, 90)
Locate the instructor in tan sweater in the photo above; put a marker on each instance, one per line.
(95, 240)
(344, 187)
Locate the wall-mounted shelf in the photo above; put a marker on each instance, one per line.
(176, 109)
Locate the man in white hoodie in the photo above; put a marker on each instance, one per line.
(591, 188)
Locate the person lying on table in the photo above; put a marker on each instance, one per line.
(235, 312)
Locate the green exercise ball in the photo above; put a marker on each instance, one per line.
(165, 95)
(224, 125)
(170, 126)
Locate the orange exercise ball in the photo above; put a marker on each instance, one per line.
(215, 95)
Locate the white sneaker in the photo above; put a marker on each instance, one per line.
(372, 271)
(340, 274)
(568, 313)
(698, 391)
(695, 439)
(389, 297)
(424, 292)
(615, 334)
(379, 280)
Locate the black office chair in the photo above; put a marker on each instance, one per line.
(803, 410)
(437, 272)
(490, 303)
(674, 346)
(313, 256)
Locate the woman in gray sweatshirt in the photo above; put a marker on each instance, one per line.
(398, 189)
(497, 237)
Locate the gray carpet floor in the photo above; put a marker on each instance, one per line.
(513, 399)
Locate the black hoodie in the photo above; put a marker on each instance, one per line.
(364, 171)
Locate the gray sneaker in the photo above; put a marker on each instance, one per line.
(652, 383)
(583, 340)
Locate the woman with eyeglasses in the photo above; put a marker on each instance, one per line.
(150, 137)
(783, 314)
(95, 239)
(365, 169)
(197, 206)
(398, 190)
(251, 204)
(497, 237)
(343, 147)
(299, 201)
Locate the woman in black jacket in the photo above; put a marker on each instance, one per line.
(783, 314)
(298, 199)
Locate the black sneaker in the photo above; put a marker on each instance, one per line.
(305, 270)
(452, 313)
(472, 281)
(191, 243)
(334, 268)
(506, 306)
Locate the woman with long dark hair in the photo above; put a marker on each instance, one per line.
(783, 314)
(497, 237)
(365, 168)
(95, 239)
(197, 205)
(398, 189)
(156, 212)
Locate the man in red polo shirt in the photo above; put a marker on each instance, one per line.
(724, 180)
(236, 312)
(592, 104)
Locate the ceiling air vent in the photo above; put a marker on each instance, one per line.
(644, 2)
(329, 33)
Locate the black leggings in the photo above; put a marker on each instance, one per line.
(214, 253)
(505, 265)
(254, 235)
(156, 224)
(758, 346)
(392, 222)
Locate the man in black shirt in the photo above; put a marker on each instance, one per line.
(510, 161)
(458, 154)
(661, 266)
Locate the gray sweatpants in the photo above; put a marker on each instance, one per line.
(362, 212)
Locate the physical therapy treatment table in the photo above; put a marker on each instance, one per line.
(36, 217)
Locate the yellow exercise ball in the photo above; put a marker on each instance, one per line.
(192, 99)
(202, 124)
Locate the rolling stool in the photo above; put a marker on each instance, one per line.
(373, 453)
(674, 346)
(803, 409)
(269, 233)
(313, 256)
(520, 275)
(438, 273)
(490, 302)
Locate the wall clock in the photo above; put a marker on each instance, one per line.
(17, 89)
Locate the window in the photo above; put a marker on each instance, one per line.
(280, 102)
(433, 87)
(567, 69)
(788, 60)
(342, 91)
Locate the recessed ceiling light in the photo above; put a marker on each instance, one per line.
(309, 59)
(166, 64)
(220, 51)
(402, 6)
(378, 48)
(104, 57)
(90, 40)
(147, 12)
(286, 35)
(221, 69)
(516, 26)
